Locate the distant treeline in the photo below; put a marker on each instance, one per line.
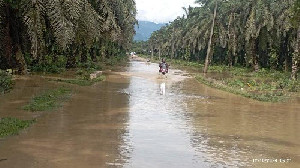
(250, 33)
(36, 32)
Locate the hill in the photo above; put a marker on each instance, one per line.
(145, 29)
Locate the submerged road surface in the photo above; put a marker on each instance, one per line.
(138, 119)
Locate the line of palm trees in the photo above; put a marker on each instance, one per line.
(256, 33)
(75, 28)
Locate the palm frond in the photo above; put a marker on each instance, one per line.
(64, 29)
(1, 26)
(35, 25)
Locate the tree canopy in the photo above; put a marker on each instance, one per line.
(252, 33)
(32, 29)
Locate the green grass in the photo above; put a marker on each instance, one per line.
(49, 100)
(11, 126)
(265, 85)
(82, 82)
(186, 63)
(6, 83)
(263, 92)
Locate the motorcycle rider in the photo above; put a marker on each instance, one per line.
(163, 65)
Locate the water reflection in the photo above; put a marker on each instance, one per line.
(196, 126)
(162, 87)
(88, 131)
(127, 122)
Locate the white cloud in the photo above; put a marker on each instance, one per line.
(161, 11)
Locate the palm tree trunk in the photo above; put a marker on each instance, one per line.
(296, 56)
(71, 57)
(172, 52)
(286, 63)
(93, 55)
(83, 55)
(152, 52)
(8, 45)
(230, 60)
(286, 54)
(21, 63)
(159, 53)
(210, 40)
(230, 42)
(254, 57)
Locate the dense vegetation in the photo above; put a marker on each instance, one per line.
(5, 82)
(50, 35)
(11, 126)
(261, 34)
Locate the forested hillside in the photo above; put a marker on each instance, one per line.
(37, 33)
(248, 33)
(144, 29)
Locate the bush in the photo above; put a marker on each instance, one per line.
(90, 66)
(11, 126)
(116, 60)
(235, 83)
(49, 65)
(6, 82)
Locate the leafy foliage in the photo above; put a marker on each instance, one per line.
(6, 82)
(251, 33)
(11, 126)
(77, 29)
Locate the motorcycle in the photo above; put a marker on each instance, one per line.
(163, 68)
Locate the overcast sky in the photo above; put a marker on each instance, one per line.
(161, 11)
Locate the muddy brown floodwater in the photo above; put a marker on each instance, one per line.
(138, 119)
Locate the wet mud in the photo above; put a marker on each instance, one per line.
(140, 119)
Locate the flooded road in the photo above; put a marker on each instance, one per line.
(138, 119)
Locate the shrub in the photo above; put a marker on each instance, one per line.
(11, 126)
(51, 65)
(6, 82)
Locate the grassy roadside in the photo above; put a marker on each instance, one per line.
(83, 71)
(12, 126)
(6, 82)
(264, 85)
(48, 100)
(52, 99)
(82, 82)
(82, 78)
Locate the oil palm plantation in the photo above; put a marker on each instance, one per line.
(252, 33)
(39, 27)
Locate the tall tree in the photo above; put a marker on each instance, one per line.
(256, 33)
(48, 25)
(296, 54)
(214, 5)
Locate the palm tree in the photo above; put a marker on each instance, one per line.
(207, 59)
(251, 32)
(296, 54)
(77, 24)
